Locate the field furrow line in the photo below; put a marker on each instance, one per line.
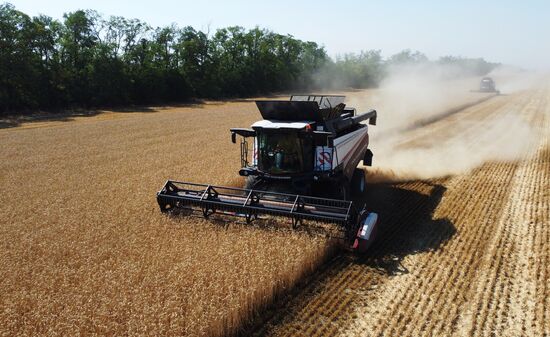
(282, 315)
(541, 215)
(505, 240)
(461, 124)
(367, 275)
(445, 270)
(421, 280)
(388, 297)
(517, 317)
(453, 277)
(333, 302)
(450, 276)
(494, 293)
(429, 324)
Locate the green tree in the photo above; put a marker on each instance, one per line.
(87, 60)
(19, 64)
(407, 57)
(77, 44)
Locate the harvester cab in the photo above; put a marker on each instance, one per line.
(309, 144)
(300, 162)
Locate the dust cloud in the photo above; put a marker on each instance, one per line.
(461, 141)
(511, 79)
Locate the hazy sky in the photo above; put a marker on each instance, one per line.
(511, 32)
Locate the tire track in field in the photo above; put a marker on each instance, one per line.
(542, 247)
(509, 286)
(460, 143)
(443, 274)
(455, 315)
(412, 291)
(481, 110)
(542, 241)
(466, 124)
(434, 119)
(498, 231)
(460, 187)
(332, 296)
(438, 306)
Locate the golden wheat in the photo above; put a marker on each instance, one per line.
(85, 250)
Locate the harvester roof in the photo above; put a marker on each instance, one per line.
(316, 108)
(271, 124)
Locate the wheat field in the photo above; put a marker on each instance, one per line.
(84, 249)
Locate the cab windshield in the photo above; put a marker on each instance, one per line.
(283, 153)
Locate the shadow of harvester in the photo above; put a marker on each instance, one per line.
(406, 227)
(406, 223)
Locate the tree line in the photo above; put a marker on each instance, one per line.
(86, 60)
(369, 68)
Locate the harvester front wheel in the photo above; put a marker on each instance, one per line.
(343, 188)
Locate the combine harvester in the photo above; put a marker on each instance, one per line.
(303, 151)
(487, 85)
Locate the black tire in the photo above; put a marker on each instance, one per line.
(343, 189)
(358, 182)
